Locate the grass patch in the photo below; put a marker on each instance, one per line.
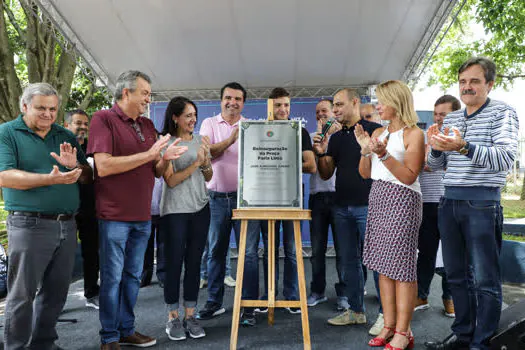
(513, 238)
(513, 209)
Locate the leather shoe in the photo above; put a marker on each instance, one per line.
(449, 343)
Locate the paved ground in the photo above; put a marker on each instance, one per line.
(285, 334)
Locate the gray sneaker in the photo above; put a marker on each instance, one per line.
(315, 299)
(342, 304)
(193, 328)
(174, 330)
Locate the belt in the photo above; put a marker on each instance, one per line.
(57, 217)
(214, 194)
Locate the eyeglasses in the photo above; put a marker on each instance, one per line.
(136, 126)
(368, 116)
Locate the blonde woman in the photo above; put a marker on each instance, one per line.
(393, 156)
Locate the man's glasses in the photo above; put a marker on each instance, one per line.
(368, 116)
(136, 126)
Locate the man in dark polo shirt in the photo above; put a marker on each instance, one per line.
(77, 121)
(40, 164)
(127, 159)
(351, 203)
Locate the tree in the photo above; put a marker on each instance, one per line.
(503, 22)
(32, 50)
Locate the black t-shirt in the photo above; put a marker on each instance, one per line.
(87, 194)
(350, 187)
(306, 141)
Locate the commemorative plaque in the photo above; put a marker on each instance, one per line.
(270, 164)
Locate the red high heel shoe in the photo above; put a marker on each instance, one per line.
(378, 341)
(410, 344)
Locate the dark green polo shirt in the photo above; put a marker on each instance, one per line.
(21, 148)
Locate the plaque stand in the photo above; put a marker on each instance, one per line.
(272, 215)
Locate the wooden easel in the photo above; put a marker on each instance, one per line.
(272, 215)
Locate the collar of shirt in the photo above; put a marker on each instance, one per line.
(115, 108)
(222, 120)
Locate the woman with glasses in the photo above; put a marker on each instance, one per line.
(185, 217)
(393, 156)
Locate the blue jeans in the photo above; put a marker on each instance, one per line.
(471, 233)
(290, 282)
(321, 205)
(205, 260)
(349, 228)
(122, 248)
(221, 206)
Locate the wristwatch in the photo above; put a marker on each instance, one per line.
(464, 150)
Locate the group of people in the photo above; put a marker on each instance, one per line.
(384, 190)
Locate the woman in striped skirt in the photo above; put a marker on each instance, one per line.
(393, 156)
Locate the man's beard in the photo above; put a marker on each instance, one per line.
(81, 137)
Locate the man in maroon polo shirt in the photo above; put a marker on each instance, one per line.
(127, 158)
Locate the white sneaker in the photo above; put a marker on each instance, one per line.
(93, 302)
(229, 281)
(378, 326)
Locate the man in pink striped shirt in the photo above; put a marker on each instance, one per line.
(223, 132)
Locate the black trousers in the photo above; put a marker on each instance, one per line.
(88, 233)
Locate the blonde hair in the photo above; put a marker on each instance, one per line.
(396, 94)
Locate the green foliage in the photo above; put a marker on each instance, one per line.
(22, 28)
(503, 22)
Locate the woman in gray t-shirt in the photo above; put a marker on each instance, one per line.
(185, 217)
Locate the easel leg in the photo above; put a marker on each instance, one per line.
(238, 285)
(302, 284)
(271, 271)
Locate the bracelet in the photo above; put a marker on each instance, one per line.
(321, 155)
(384, 156)
(366, 155)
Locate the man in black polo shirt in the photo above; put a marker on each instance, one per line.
(40, 164)
(351, 203)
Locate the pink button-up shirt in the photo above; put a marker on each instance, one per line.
(225, 167)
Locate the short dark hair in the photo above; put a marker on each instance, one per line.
(279, 92)
(449, 99)
(331, 102)
(69, 115)
(235, 86)
(350, 93)
(486, 64)
(175, 108)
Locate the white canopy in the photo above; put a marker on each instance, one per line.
(199, 45)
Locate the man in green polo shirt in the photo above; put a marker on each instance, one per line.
(40, 164)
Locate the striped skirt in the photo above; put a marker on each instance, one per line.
(394, 216)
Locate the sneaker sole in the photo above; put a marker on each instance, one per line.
(144, 345)
(261, 311)
(196, 336)
(450, 315)
(93, 306)
(345, 324)
(318, 301)
(422, 307)
(216, 313)
(293, 312)
(171, 338)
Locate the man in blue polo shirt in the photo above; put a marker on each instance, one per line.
(40, 164)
